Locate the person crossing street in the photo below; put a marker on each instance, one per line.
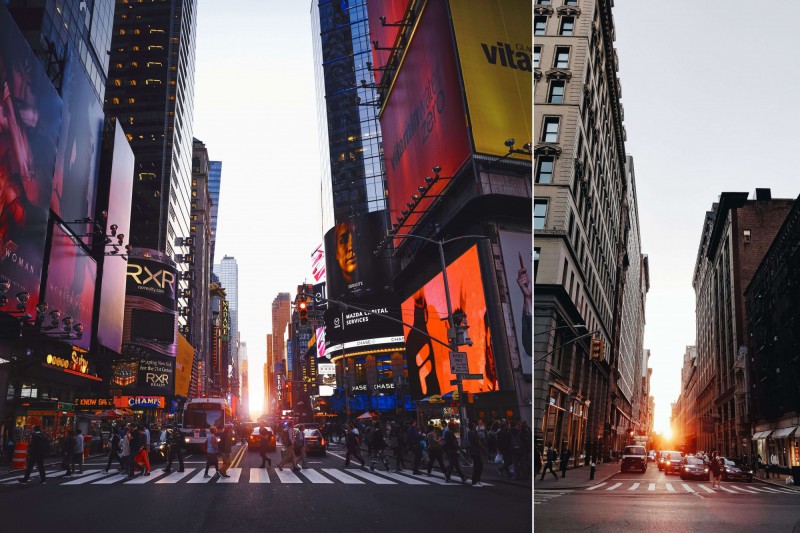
(353, 443)
(176, 444)
(38, 449)
(288, 448)
(264, 446)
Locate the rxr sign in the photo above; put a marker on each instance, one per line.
(142, 275)
(156, 380)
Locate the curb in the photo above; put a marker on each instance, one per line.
(775, 484)
(596, 482)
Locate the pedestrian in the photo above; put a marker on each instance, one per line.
(413, 438)
(77, 452)
(379, 448)
(125, 451)
(527, 447)
(113, 450)
(491, 442)
(550, 457)
(143, 454)
(504, 447)
(773, 464)
(761, 467)
(476, 451)
(176, 444)
(538, 463)
(288, 449)
(299, 445)
(435, 449)
(67, 445)
(38, 448)
(397, 443)
(264, 446)
(212, 448)
(564, 461)
(592, 468)
(353, 444)
(517, 450)
(225, 449)
(450, 447)
(715, 472)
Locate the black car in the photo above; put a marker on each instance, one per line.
(673, 463)
(731, 471)
(315, 443)
(695, 468)
(634, 458)
(662, 458)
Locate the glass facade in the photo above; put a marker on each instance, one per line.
(228, 272)
(353, 178)
(214, 185)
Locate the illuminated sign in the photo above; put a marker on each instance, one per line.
(76, 362)
(94, 403)
(225, 324)
(354, 331)
(139, 401)
(388, 386)
(156, 373)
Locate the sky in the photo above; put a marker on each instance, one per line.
(709, 91)
(255, 110)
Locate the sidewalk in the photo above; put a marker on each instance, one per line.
(576, 478)
(779, 481)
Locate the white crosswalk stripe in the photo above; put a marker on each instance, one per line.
(614, 487)
(141, 480)
(233, 476)
(200, 477)
(112, 479)
(596, 486)
(712, 491)
(542, 496)
(341, 476)
(372, 477)
(634, 486)
(687, 487)
(86, 479)
(174, 477)
(744, 489)
(652, 486)
(259, 475)
(314, 477)
(690, 488)
(287, 476)
(670, 488)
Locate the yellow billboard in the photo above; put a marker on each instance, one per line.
(183, 366)
(495, 43)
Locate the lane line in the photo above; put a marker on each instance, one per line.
(707, 489)
(341, 476)
(670, 488)
(259, 475)
(614, 487)
(234, 474)
(652, 486)
(596, 486)
(314, 476)
(174, 477)
(687, 487)
(634, 486)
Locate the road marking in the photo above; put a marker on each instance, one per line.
(175, 476)
(286, 476)
(408, 479)
(744, 489)
(596, 486)
(341, 476)
(431, 479)
(259, 475)
(200, 477)
(141, 480)
(441, 476)
(372, 477)
(785, 491)
(727, 490)
(544, 495)
(234, 474)
(687, 487)
(707, 489)
(670, 488)
(111, 479)
(86, 479)
(634, 486)
(314, 476)
(613, 487)
(652, 486)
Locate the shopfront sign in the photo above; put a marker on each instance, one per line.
(76, 362)
(381, 387)
(359, 388)
(94, 403)
(144, 402)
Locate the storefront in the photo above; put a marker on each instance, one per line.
(564, 424)
(54, 417)
(151, 410)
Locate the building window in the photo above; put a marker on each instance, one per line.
(544, 170)
(544, 2)
(556, 95)
(562, 57)
(539, 213)
(567, 26)
(537, 54)
(535, 262)
(570, 2)
(539, 25)
(550, 130)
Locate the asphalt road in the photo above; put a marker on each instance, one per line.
(324, 497)
(654, 502)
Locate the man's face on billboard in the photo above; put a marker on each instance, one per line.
(345, 253)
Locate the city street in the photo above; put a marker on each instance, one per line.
(324, 495)
(653, 501)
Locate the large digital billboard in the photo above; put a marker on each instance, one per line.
(495, 46)
(30, 118)
(78, 152)
(115, 189)
(183, 366)
(69, 289)
(423, 121)
(150, 304)
(350, 331)
(392, 12)
(426, 310)
(352, 269)
(517, 249)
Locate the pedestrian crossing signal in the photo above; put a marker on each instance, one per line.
(597, 350)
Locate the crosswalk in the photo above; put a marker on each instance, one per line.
(543, 496)
(687, 488)
(192, 475)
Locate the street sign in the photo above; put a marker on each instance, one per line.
(458, 363)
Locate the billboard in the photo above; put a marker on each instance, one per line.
(327, 374)
(124, 374)
(352, 269)
(150, 305)
(517, 250)
(350, 331)
(495, 46)
(30, 118)
(157, 374)
(423, 121)
(428, 361)
(69, 289)
(322, 350)
(183, 366)
(393, 12)
(318, 264)
(115, 189)
(78, 152)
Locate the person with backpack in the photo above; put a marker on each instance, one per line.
(299, 445)
(550, 458)
(435, 450)
(288, 449)
(451, 451)
(353, 443)
(264, 446)
(413, 438)
(38, 449)
(176, 444)
(113, 451)
(212, 447)
(225, 449)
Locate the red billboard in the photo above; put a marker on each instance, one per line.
(423, 121)
(71, 275)
(426, 310)
(392, 12)
(30, 117)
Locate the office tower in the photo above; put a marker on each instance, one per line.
(353, 181)
(214, 186)
(228, 272)
(150, 90)
(281, 314)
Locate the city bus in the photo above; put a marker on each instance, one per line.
(199, 414)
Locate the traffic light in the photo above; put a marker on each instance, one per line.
(302, 312)
(597, 350)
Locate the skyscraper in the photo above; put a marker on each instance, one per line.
(151, 91)
(214, 185)
(228, 272)
(281, 314)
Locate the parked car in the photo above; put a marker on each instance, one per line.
(651, 456)
(732, 471)
(695, 468)
(673, 463)
(315, 442)
(634, 458)
(254, 440)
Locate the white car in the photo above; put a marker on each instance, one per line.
(651, 456)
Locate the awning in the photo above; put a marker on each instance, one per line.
(762, 435)
(783, 432)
